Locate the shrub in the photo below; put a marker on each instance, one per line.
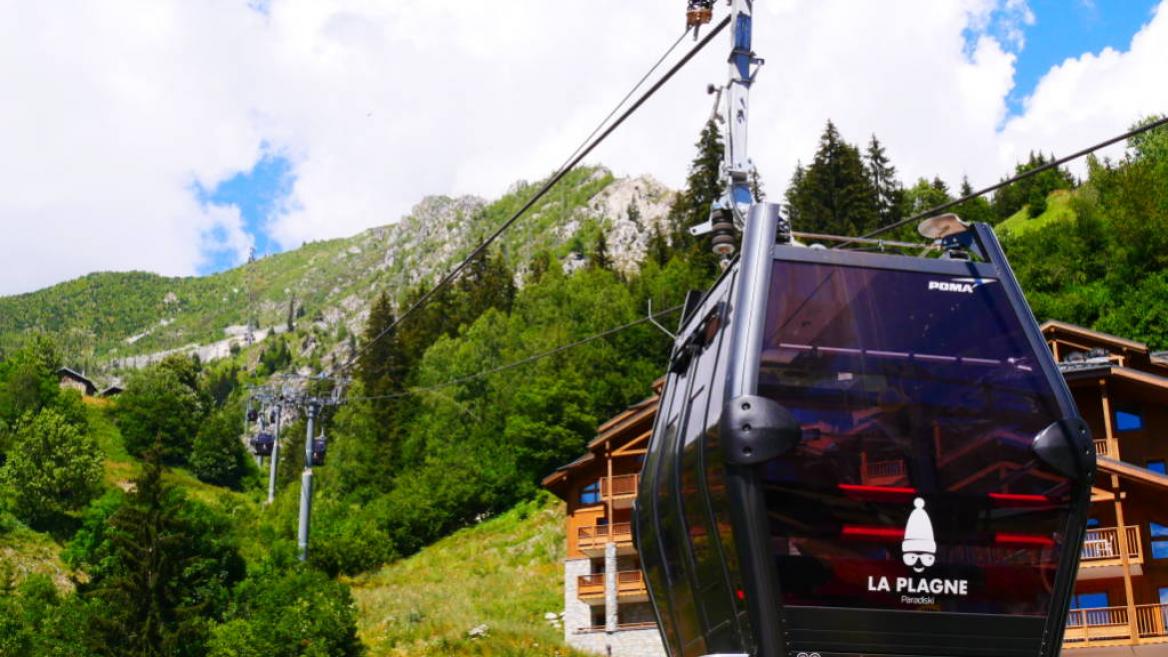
(52, 468)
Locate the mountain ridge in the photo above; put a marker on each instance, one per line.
(112, 320)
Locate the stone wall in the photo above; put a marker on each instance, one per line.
(622, 643)
(578, 621)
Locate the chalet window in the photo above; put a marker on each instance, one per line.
(1089, 600)
(1159, 534)
(1157, 466)
(1128, 420)
(590, 494)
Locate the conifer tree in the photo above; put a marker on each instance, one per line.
(600, 257)
(974, 210)
(889, 191)
(834, 194)
(166, 574)
(703, 186)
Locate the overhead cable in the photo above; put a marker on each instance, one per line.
(544, 189)
(523, 361)
(1009, 181)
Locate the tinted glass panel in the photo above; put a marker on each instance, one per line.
(914, 487)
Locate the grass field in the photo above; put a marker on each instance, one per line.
(1058, 208)
(506, 573)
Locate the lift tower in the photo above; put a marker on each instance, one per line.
(728, 214)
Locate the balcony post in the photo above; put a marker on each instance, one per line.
(610, 586)
(608, 502)
(1121, 538)
(1108, 431)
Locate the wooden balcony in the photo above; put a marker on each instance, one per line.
(1110, 626)
(1105, 447)
(881, 473)
(630, 587)
(1101, 556)
(621, 488)
(591, 540)
(590, 588)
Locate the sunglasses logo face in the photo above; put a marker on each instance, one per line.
(919, 561)
(919, 549)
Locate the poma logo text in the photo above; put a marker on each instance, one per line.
(947, 286)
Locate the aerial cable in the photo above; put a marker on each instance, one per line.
(1009, 181)
(543, 190)
(522, 361)
(624, 100)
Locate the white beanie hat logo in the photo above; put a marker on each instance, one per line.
(918, 533)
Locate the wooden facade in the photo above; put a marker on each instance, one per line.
(72, 379)
(1121, 594)
(1121, 389)
(599, 489)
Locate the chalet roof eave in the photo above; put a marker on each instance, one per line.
(647, 409)
(1107, 369)
(76, 375)
(1074, 329)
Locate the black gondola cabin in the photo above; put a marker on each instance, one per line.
(863, 454)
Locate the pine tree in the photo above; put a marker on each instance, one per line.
(161, 575)
(889, 191)
(791, 208)
(834, 194)
(1031, 191)
(976, 209)
(703, 186)
(600, 257)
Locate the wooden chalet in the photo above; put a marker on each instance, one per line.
(72, 379)
(1121, 596)
(606, 606)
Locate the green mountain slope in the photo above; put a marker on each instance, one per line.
(505, 573)
(113, 315)
(1058, 208)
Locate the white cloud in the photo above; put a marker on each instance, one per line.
(111, 112)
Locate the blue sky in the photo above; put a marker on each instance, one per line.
(1069, 28)
(258, 194)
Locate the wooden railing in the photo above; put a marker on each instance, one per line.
(875, 469)
(590, 586)
(1110, 625)
(1097, 625)
(598, 535)
(643, 625)
(627, 582)
(619, 485)
(1102, 448)
(630, 581)
(1102, 543)
(1152, 621)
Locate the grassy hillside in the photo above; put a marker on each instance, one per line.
(115, 314)
(506, 573)
(1058, 208)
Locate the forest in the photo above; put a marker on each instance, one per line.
(154, 509)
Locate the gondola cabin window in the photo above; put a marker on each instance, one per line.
(914, 486)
